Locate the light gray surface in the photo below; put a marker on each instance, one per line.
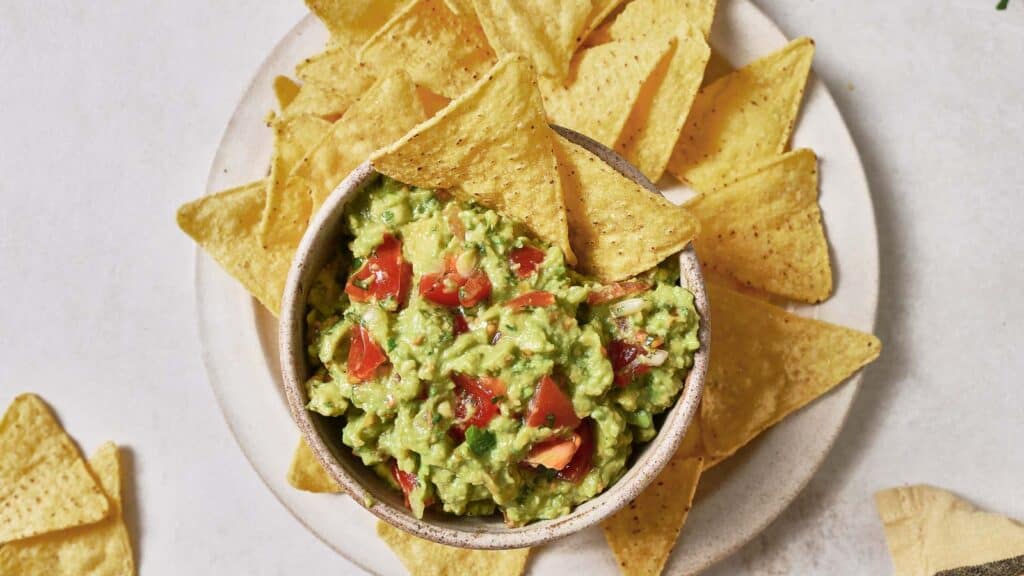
(111, 113)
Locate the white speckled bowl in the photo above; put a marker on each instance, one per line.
(366, 488)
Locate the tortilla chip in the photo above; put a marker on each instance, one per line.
(441, 51)
(494, 145)
(765, 229)
(617, 228)
(546, 32)
(743, 118)
(44, 484)
(285, 91)
(717, 67)
(461, 7)
(306, 472)
(603, 85)
(692, 445)
(293, 138)
(660, 112)
(662, 18)
(225, 225)
(424, 558)
(352, 22)
(101, 549)
(432, 103)
(642, 534)
(338, 71)
(315, 100)
(386, 112)
(929, 530)
(598, 16)
(767, 363)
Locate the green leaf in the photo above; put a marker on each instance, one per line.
(480, 441)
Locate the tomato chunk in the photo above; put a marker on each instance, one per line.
(364, 355)
(407, 481)
(535, 299)
(385, 274)
(623, 356)
(525, 260)
(451, 289)
(616, 291)
(550, 406)
(475, 290)
(476, 403)
(555, 453)
(583, 458)
(459, 324)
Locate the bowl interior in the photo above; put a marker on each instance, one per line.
(363, 485)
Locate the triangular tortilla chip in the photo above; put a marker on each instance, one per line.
(767, 363)
(765, 229)
(424, 558)
(546, 31)
(461, 7)
(598, 14)
(336, 70)
(100, 549)
(660, 112)
(306, 472)
(662, 18)
(285, 91)
(348, 144)
(617, 228)
(315, 100)
(494, 145)
(352, 22)
(293, 138)
(642, 534)
(44, 484)
(225, 225)
(603, 85)
(929, 530)
(440, 50)
(742, 118)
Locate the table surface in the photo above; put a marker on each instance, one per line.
(111, 113)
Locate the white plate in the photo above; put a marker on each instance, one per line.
(736, 500)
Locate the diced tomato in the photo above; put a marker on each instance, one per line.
(451, 289)
(407, 481)
(554, 454)
(476, 395)
(364, 355)
(526, 260)
(622, 356)
(583, 459)
(550, 406)
(459, 324)
(385, 274)
(476, 289)
(535, 299)
(616, 291)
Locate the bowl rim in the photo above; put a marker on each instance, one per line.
(467, 532)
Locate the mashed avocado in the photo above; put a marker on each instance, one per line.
(475, 370)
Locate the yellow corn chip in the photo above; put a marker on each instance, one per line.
(642, 534)
(337, 71)
(742, 118)
(461, 7)
(352, 22)
(598, 14)
(546, 31)
(424, 558)
(767, 363)
(617, 228)
(929, 530)
(692, 444)
(493, 144)
(315, 100)
(100, 549)
(717, 67)
(293, 139)
(307, 474)
(660, 112)
(662, 18)
(44, 484)
(765, 229)
(440, 51)
(347, 145)
(225, 225)
(432, 103)
(603, 85)
(285, 90)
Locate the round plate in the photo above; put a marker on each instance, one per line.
(736, 499)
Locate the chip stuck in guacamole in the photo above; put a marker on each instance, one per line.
(477, 372)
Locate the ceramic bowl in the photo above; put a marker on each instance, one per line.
(365, 487)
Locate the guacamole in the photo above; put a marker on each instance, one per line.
(477, 372)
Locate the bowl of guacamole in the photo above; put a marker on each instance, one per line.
(458, 378)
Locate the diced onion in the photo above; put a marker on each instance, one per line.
(653, 358)
(465, 264)
(627, 307)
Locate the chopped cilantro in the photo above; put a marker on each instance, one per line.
(1002, 4)
(391, 343)
(550, 420)
(496, 399)
(436, 418)
(480, 441)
